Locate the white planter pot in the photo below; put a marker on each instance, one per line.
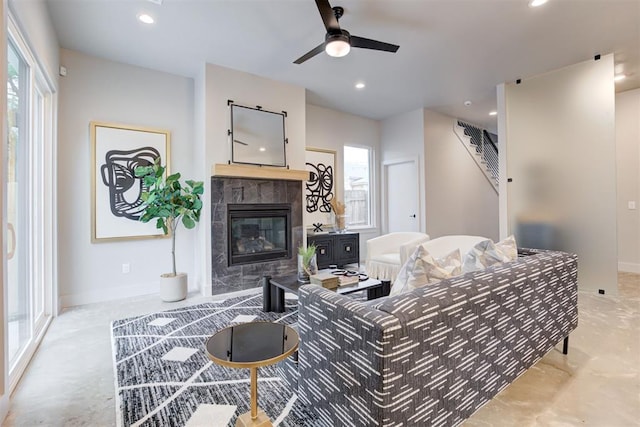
(173, 288)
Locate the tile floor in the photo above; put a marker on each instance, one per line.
(70, 379)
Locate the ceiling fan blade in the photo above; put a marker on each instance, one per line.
(328, 17)
(313, 52)
(361, 42)
(239, 142)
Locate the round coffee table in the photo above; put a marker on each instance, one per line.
(252, 345)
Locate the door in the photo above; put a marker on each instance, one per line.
(401, 195)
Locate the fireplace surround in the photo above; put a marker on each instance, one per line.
(258, 232)
(249, 203)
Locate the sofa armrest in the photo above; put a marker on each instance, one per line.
(344, 349)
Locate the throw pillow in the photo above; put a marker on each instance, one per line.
(508, 248)
(422, 269)
(484, 254)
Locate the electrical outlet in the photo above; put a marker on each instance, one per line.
(631, 204)
(126, 268)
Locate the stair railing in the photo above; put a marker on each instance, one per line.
(482, 148)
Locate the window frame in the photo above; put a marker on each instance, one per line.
(372, 225)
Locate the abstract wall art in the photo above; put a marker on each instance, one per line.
(321, 187)
(116, 151)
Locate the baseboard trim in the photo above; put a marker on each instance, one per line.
(112, 294)
(4, 406)
(629, 267)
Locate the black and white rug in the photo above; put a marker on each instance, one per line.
(163, 376)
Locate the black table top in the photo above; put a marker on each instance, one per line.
(290, 283)
(252, 344)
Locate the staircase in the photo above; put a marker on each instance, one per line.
(483, 147)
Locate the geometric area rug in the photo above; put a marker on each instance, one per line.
(163, 376)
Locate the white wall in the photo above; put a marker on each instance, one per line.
(332, 130)
(628, 179)
(459, 199)
(99, 90)
(33, 19)
(401, 138)
(560, 138)
(221, 84)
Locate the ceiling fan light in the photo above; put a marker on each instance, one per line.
(337, 48)
(536, 3)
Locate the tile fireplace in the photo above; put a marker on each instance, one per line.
(256, 228)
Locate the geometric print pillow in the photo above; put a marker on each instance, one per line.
(423, 269)
(484, 254)
(508, 248)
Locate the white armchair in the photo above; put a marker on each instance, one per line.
(387, 253)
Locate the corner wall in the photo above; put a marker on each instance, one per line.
(33, 19)
(101, 90)
(459, 199)
(628, 179)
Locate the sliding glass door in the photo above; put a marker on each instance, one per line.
(18, 295)
(29, 249)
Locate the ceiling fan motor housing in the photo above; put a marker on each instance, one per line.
(342, 35)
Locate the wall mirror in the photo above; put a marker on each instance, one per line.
(257, 136)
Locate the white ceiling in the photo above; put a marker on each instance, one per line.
(450, 50)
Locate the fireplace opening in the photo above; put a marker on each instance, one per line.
(258, 232)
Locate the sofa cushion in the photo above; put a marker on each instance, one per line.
(422, 269)
(442, 246)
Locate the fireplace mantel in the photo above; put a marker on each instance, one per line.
(260, 172)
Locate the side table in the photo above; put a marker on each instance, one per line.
(252, 345)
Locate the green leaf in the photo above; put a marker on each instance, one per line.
(188, 222)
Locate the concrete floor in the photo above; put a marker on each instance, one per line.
(70, 380)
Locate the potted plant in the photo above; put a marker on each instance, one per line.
(169, 202)
(307, 263)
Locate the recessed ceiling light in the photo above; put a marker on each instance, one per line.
(145, 18)
(536, 3)
(262, 149)
(619, 77)
(493, 113)
(360, 85)
(467, 103)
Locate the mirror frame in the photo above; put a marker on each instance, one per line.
(235, 158)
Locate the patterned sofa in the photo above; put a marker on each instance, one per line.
(433, 356)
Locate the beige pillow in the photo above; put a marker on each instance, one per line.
(422, 269)
(486, 253)
(508, 248)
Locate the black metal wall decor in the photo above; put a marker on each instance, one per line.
(320, 189)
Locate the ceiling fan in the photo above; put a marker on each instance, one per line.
(338, 42)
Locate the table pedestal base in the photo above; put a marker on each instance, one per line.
(262, 420)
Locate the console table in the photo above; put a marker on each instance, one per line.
(336, 248)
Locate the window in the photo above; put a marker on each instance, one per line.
(357, 189)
